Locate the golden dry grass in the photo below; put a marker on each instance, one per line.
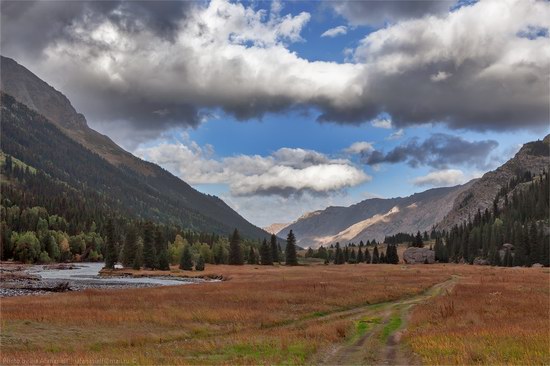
(494, 316)
(248, 319)
(281, 315)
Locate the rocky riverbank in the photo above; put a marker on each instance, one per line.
(25, 280)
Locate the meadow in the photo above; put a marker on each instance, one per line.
(493, 316)
(270, 315)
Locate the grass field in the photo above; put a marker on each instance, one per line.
(494, 316)
(260, 315)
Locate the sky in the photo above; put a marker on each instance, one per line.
(281, 108)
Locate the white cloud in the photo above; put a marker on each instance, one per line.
(381, 123)
(441, 178)
(235, 57)
(286, 172)
(359, 147)
(440, 76)
(336, 31)
(396, 135)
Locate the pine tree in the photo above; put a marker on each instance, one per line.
(235, 253)
(360, 258)
(110, 246)
(138, 260)
(352, 257)
(186, 260)
(199, 266)
(383, 258)
(150, 259)
(274, 250)
(266, 254)
(130, 247)
(252, 256)
(535, 252)
(290, 251)
(375, 255)
(418, 241)
(164, 260)
(346, 254)
(368, 258)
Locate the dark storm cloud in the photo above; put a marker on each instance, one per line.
(377, 13)
(156, 65)
(438, 151)
(30, 26)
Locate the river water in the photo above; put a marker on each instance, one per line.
(89, 273)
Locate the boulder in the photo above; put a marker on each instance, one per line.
(537, 265)
(481, 262)
(415, 255)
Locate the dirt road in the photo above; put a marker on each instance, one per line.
(378, 332)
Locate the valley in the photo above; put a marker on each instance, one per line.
(224, 182)
(292, 315)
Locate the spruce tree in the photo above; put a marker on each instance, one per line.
(130, 247)
(186, 260)
(164, 260)
(252, 256)
(290, 251)
(199, 266)
(418, 240)
(535, 252)
(138, 260)
(266, 255)
(368, 258)
(360, 258)
(352, 257)
(150, 260)
(274, 249)
(235, 253)
(383, 258)
(110, 246)
(375, 255)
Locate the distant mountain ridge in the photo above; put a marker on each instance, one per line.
(439, 207)
(166, 194)
(374, 218)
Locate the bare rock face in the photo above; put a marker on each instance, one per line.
(414, 255)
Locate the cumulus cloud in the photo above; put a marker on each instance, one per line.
(440, 178)
(122, 61)
(359, 147)
(498, 78)
(377, 13)
(438, 151)
(286, 172)
(336, 31)
(381, 123)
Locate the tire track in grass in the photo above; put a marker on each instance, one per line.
(380, 343)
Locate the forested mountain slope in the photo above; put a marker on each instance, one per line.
(52, 137)
(533, 157)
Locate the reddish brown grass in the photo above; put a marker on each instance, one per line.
(243, 320)
(493, 316)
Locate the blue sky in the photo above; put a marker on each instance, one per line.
(281, 108)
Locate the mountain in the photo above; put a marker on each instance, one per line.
(275, 228)
(52, 137)
(374, 218)
(440, 207)
(533, 157)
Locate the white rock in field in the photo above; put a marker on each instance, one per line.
(415, 255)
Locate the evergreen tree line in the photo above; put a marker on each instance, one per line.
(519, 217)
(352, 254)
